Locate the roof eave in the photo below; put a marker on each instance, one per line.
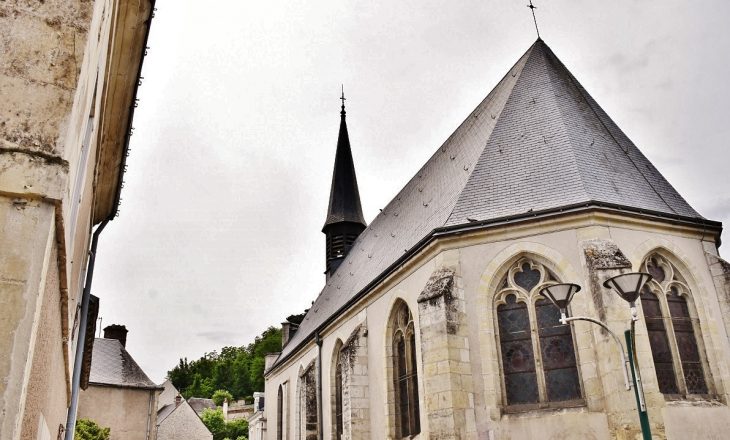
(474, 226)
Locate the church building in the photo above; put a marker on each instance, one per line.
(431, 324)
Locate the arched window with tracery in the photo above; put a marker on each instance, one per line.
(339, 425)
(538, 354)
(673, 327)
(405, 375)
(280, 414)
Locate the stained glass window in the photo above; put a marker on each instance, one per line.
(338, 399)
(677, 360)
(518, 360)
(689, 354)
(659, 342)
(405, 374)
(279, 413)
(558, 353)
(542, 369)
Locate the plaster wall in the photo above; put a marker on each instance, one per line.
(46, 384)
(50, 53)
(27, 237)
(124, 410)
(183, 422)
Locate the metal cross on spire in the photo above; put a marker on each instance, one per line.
(532, 7)
(343, 100)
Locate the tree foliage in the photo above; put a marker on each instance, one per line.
(239, 370)
(88, 430)
(216, 423)
(220, 395)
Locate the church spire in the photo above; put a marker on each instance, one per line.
(344, 215)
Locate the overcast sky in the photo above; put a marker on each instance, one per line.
(228, 180)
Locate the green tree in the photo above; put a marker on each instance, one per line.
(216, 423)
(220, 395)
(88, 430)
(240, 370)
(237, 429)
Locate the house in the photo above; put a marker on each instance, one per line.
(257, 419)
(69, 73)
(431, 322)
(119, 396)
(179, 420)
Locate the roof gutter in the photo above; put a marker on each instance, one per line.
(78, 363)
(478, 225)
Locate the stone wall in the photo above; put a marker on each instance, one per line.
(447, 375)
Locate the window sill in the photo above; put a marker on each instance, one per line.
(543, 407)
(699, 400)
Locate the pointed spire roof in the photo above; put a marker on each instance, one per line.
(344, 203)
(538, 143)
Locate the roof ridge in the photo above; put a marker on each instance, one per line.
(590, 103)
(545, 53)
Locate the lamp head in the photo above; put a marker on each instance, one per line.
(560, 294)
(628, 285)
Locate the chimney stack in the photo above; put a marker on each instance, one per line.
(287, 332)
(118, 332)
(178, 400)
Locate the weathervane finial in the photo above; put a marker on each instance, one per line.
(532, 8)
(343, 101)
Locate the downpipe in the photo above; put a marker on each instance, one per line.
(76, 381)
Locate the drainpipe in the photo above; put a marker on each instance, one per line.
(71, 416)
(149, 414)
(318, 341)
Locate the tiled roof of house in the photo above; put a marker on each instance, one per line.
(111, 364)
(537, 143)
(200, 403)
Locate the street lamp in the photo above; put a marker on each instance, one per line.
(628, 286)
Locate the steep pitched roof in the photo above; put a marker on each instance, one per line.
(344, 205)
(200, 403)
(538, 142)
(112, 365)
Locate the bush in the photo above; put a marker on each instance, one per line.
(88, 430)
(220, 395)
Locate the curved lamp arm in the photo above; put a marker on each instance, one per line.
(565, 321)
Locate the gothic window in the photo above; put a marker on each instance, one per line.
(338, 398)
(280, 414)
(672, 330)
(405, 376)
(538, 356)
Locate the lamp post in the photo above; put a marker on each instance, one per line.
(628, 286)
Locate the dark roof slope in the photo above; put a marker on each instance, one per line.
(200, 403)
(112, 365)
(344, 203)
(537, 142)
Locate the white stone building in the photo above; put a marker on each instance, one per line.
(431, 324)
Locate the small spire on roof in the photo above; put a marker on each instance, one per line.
(532, 8)
(342, 113)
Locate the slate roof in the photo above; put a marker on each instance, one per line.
(344, 205)
(538, 142)
(165, 411)
(112, 365)
(200, 403)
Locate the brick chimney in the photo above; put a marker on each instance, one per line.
(118, 332)
(178, 400)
